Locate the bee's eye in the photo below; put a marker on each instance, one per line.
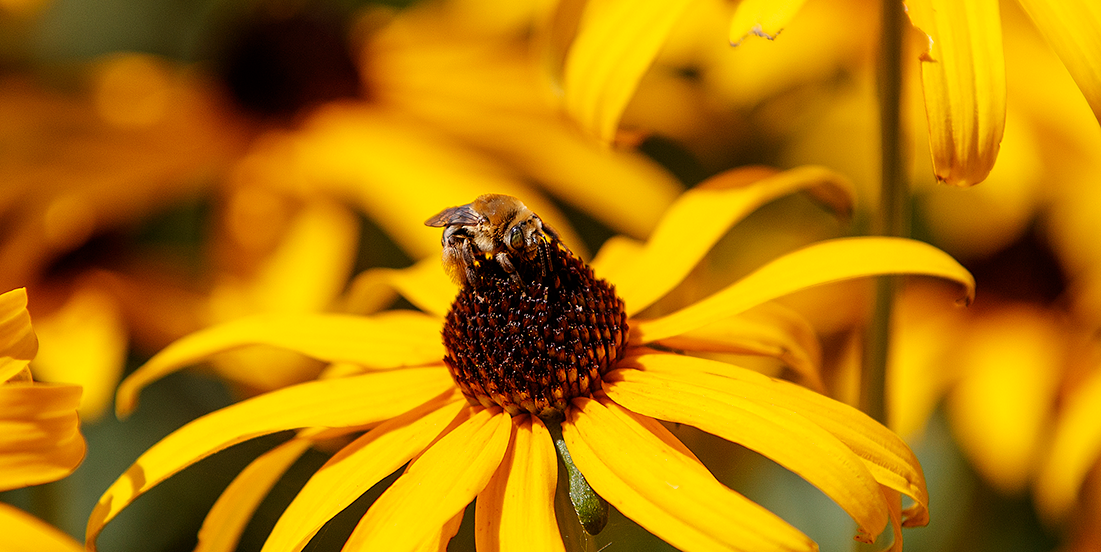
(516, 238)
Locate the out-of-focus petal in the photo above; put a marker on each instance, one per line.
(85, 343)
(227, 518)
(1000, 410)
(424, 284)
(768, 330)
(787, 437)
(26, 533)
(358, 466)
(963, 74)
(392, 340)
(884, 454)
(1073, 29)
(763, 18)
(615, 257)
(436, 486)
(924, 335)
(820, 263)
(142, 134)
(667, 492)
(705, 213)
(40, 438)
(307, 270)
(18, 344)
(488, 93)
(1075, 450)
(515, 512)
(345, 402)
(398, 172)
(616, 42)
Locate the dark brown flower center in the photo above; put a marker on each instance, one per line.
(534, 340)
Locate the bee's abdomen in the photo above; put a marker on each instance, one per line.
(533, 345)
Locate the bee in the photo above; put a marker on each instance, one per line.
(493, 228)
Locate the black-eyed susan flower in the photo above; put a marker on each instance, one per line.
(534, 338)
(41, 440)
(963, 69)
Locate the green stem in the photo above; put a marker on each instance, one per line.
(890, 218)
(591, 509)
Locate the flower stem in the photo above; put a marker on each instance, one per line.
(890, 218)
(592, 510)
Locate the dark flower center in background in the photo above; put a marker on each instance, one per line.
(533, 343)
(277, 63)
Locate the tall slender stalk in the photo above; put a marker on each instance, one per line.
(890, 218)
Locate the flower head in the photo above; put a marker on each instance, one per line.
(466, 412)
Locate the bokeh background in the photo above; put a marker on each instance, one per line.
(167, 164)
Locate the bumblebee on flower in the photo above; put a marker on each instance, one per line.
(533, 339)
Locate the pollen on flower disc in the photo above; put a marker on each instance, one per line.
(533, 345)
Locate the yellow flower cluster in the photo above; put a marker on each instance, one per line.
(660, 314)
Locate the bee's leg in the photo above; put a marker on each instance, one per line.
(506, 263)
(469, 262)
(544, 257)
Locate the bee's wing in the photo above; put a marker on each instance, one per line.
(463, 215)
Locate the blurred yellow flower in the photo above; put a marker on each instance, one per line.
(146, 133)
(41, 440)
(1066, 488)
(999, 366)
(1021, 385)
(963, 70)
(388, 378)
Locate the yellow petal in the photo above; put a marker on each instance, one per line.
(424, 284)
(615, 256)
(894, 504)
(704, 214)
(963, 75)
(616, 42)
(763, 18)
(787, 437)
(308, 269)
(84, 342)
(668, 493)
(436, 486)
(820, 263)
(490, 96)
(622, 189)
(357, 467)
(226, 520)
(18, 344)
(438, 542)
(1073, 29)
(40, 438)
(1075, 450)
(1001, 409)
(26, 533)
(396, 339)
(884, 454)
(515, 512)
(767, 330)
(346, 402)
(398, 172)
